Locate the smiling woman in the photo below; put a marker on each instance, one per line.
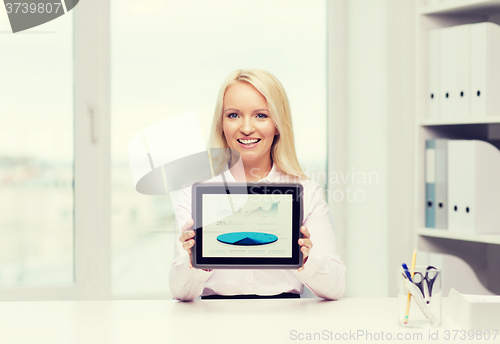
(252, 117)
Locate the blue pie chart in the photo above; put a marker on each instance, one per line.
(247, 238)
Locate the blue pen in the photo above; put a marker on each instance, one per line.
(407, 272)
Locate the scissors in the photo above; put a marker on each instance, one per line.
(429, 278)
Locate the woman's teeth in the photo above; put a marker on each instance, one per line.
(248, 142)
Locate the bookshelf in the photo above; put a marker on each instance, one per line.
(445, 234)
(480, 252)
(427, 122)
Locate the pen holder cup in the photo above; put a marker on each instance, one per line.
(423, 308)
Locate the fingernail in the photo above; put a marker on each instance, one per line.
(301, 241)
(191, 242)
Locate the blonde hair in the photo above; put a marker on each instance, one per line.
(283, 152)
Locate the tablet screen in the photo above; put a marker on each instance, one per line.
(244, 226)
(247, 225)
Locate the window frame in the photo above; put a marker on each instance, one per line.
(92, 161)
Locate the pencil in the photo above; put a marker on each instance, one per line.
(413, 262)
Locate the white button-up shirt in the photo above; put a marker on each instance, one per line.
(324, 272)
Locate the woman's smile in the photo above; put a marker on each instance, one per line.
(248, 142)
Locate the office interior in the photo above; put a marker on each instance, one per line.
(74, 91)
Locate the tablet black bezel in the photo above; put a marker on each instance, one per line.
(296, 261)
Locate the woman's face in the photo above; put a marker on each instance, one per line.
(246, 123)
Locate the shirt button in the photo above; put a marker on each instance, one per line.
(249, 281)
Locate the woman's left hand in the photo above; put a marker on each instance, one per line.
(305, 244)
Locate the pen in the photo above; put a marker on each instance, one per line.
(407, 272)
(413, 262)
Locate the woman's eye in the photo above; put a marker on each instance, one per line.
(261, 115)
(232, 115)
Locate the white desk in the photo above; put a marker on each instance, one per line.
(207, 321)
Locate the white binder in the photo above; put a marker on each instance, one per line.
(455, 94)
(485, 69)
(473, 187)
(436, 183)
(461, 89)
(430, 183)
(461, 185)
(446, 71)
(433, 74)
(442, 183)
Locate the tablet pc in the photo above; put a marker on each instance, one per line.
(247, 225)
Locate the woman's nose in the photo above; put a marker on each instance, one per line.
(247, 127)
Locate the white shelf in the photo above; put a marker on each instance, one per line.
(451, 121)
(463, 7)
(445, 234)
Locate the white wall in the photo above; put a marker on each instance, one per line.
(371, 135)
(401, 129)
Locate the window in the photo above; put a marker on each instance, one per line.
(36, 154)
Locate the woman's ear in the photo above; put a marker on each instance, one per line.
(276, 131)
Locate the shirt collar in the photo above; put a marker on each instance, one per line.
(273, 176)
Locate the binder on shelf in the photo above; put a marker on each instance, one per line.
(473, 187)
(433, 74)
(430, 183)
(446, 70)
(442, 184)
(436, 180)
(485, 70)
(454, 73)
(461, 90)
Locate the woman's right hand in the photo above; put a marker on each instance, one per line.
(186, 238)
